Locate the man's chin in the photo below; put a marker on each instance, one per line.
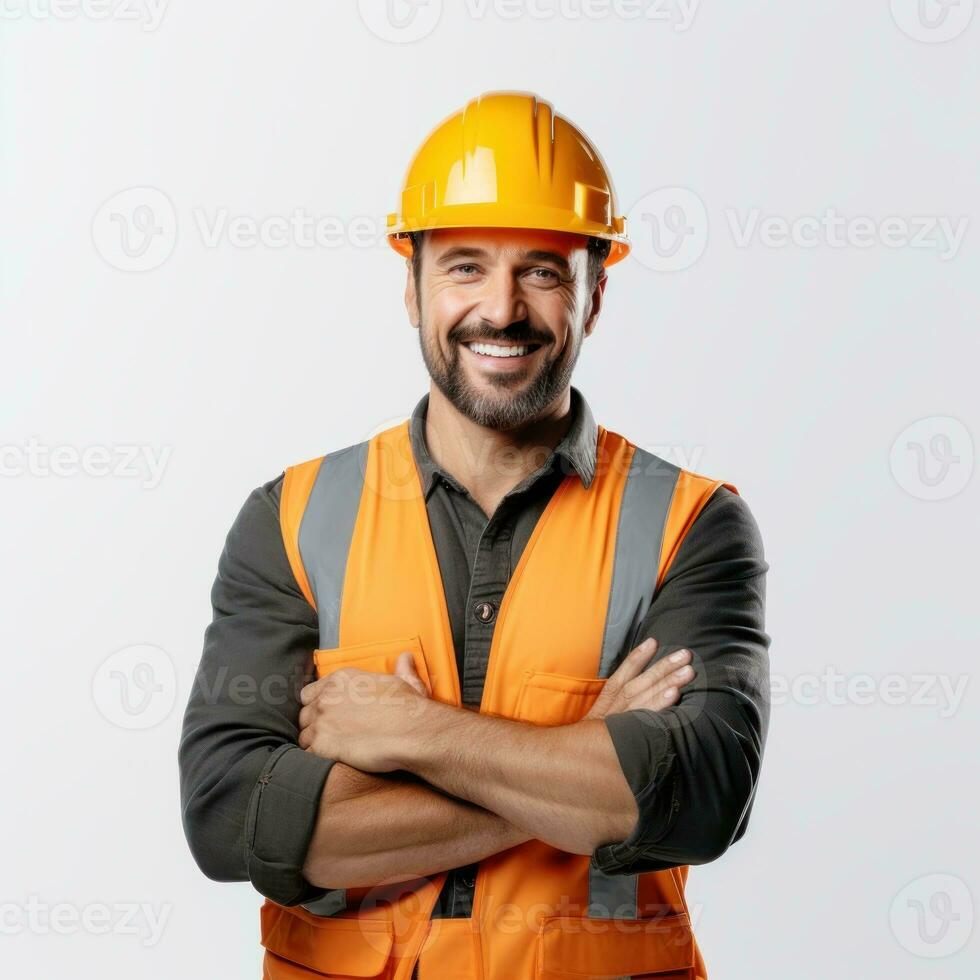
(498, 386)
(499, 404)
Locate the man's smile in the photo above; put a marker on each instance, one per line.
(501, 357)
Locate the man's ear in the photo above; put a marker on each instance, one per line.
(596, 303)
(411, 300)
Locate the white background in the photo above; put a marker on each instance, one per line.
(789, 371)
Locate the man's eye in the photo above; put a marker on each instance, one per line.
(549, 276)
(461, 268)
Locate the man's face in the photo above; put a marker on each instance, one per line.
(502, 313)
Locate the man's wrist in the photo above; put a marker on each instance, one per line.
(425, 745)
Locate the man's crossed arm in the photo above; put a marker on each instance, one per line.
(461, 786)
(253, 800)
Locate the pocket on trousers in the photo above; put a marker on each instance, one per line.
(556, 699)
(378, 656)
(572, 947)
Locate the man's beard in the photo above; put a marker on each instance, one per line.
(517, 401)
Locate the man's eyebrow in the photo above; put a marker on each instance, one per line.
(535, 255)
(542, 255)
(460, 252)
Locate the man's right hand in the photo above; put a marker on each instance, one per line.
(630, 686)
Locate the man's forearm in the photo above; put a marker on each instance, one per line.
(562, 785)
(374, 829)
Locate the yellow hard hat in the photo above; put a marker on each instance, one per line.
(508, 160)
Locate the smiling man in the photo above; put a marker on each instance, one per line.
(512, 668)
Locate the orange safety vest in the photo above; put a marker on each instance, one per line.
(356, 531)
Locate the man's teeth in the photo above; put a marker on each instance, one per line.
(494, 351)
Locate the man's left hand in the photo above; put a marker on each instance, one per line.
(359, 717)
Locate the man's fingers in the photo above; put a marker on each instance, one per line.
(662, 669)
(664, 692)
(405, 669)
(667, 698)
(310, 692)
(662, 674)
(673, 682)
(637, 664)
(417, 684)
(633, 663)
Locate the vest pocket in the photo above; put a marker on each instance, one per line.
(332, 947)
(569, 947)
(378, 656)
(556, 699)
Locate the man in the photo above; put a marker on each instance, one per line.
(507, 670)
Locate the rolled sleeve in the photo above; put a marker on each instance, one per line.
(693, 768)
(249, 795)
(646, 756)
(281, 817)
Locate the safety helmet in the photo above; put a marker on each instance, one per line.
(508, 160)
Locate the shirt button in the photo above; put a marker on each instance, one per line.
(485, 611)
(468, 881)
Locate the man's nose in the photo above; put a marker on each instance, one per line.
(501, 300)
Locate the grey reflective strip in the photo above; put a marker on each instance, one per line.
(643, 512)
(325, 535)
(326, 531)
(612, 896)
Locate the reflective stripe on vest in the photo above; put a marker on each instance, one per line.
(357, 536)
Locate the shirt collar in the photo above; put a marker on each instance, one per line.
(577, 448)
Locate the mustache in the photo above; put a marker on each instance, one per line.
(519, 332)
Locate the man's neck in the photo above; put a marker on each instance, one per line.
(491, 462)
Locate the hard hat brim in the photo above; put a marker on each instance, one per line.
(469, 216)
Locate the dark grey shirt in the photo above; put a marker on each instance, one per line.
(250, 795)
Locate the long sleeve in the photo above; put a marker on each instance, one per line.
(249, 794)
(693, 768)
